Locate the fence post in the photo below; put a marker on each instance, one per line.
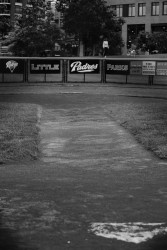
(150, 79)
(64, 73)
(26, 70)
(103, 73)
(3, 77)
(126, 78)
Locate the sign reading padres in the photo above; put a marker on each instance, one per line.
(84, 66)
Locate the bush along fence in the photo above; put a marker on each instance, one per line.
(82, 70)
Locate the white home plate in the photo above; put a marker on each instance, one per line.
(136, 232)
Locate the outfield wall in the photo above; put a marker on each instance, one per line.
(83, 70)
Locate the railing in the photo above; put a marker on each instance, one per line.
(83, 70)
(3, 49)
(5, 12)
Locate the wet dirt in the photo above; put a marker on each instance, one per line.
(90, 170)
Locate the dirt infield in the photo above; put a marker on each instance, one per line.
(90, 171)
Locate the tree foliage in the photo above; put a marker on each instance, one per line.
(5, 25)
(35, 30)
(91, 21)
(151, 42)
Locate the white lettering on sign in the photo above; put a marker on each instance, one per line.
(148, 67)
(45, 67)
(117, 67)
(135, 232)
(161, 68)
(136, 64)
(77, 66)
(11, 65)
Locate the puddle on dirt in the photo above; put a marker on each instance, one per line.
(137, 232)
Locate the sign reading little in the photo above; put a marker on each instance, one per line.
(84, 66)
(45, 66)
(148, 68)
(117, 67)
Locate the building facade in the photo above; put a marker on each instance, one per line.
(140, 15)
(10, 8)
(58, 16)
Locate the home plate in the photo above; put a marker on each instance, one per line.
(135, 232)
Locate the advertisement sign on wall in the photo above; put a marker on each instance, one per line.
(161, 68)
(117, 67)
(148, 67)
(46, 66)
(136, 67)
(12, 66)
(84, 66)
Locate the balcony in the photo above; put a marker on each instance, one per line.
(5, 13)
(4, 8)
(6, 3)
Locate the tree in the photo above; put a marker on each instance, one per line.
(90, 21)
(35, 30)
(5, 25)
(158, 41)
(155, 41)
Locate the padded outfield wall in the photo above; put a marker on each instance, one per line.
(83, 70)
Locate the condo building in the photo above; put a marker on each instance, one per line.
(140, 15)
(11, 8)
(58, 17)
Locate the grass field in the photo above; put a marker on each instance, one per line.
(18, 132)
(147, 121)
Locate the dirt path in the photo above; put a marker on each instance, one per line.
(91, 171)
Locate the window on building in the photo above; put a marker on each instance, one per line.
(5, 9)
(128, 10)
(132, 32)
(18, 9)
(156, 28)
(155, 9)
(4, 1)
(142, 9)
(164, 8)
(131, 9)
(118, 9)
